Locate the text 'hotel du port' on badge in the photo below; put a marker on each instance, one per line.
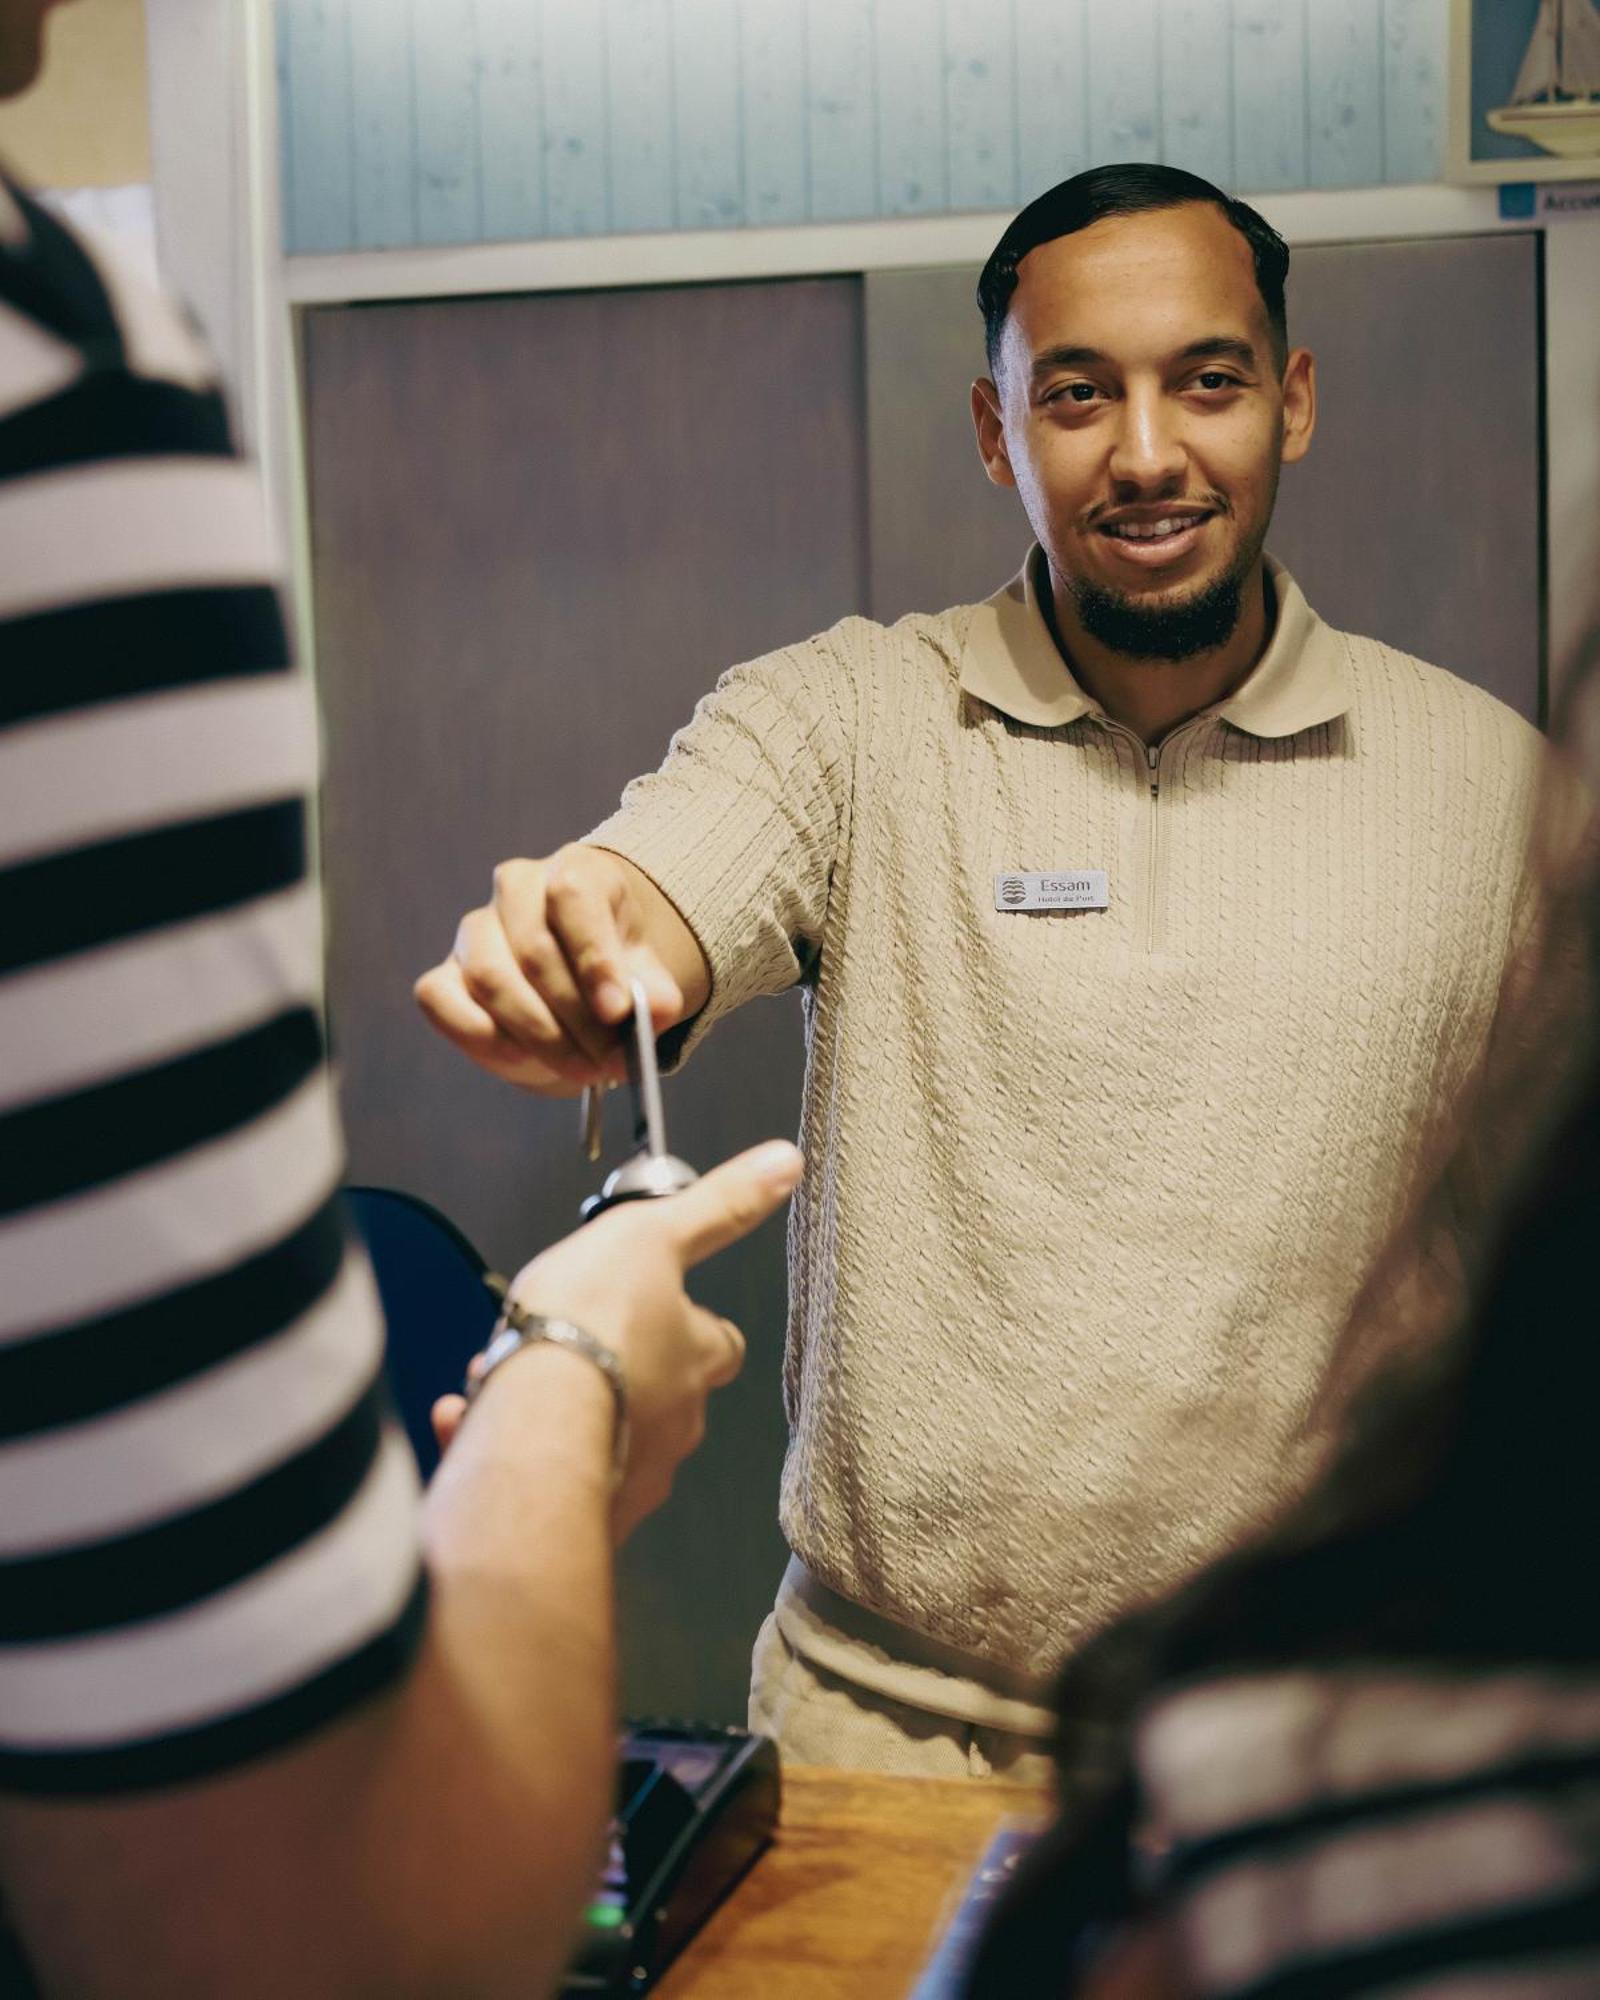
(1065, 889)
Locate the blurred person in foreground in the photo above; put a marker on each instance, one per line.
(1091, 1187)
(269, 1723)
(1361, 1754)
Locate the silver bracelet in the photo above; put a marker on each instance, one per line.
(518, 1328)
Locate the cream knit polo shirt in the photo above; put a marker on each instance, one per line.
(1089, 1191)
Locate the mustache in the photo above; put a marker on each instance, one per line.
(1215, 503)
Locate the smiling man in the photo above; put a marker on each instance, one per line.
(1148, 928)
(1143, 400)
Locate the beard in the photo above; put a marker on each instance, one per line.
(1171, 631)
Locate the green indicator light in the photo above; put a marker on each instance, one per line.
(606, 1917)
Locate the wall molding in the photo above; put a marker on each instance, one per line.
(710, 256)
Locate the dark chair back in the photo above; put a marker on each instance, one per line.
(437, 1301)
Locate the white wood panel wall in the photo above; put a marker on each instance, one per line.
(417, 122)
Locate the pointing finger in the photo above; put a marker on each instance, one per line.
(733, 1199)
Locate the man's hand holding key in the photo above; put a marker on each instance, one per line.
(536, 986)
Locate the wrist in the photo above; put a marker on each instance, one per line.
(549, 1412)
(521, 1331)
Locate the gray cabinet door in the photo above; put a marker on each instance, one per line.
(1417, 516)
(541, 527)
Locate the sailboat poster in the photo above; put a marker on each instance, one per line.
(1525, 96)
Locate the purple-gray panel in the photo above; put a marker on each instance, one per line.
(541, 528)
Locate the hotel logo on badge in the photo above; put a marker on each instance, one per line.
(1013, 890)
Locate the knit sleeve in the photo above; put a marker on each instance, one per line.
(743, 824)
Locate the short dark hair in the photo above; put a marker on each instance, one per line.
(1127, 190)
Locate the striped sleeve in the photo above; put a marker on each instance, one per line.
(1373, 1831)
(208, 1536)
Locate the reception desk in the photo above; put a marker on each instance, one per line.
(850, 1900)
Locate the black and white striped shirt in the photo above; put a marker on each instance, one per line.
(208, 1538)
(1371, 1830)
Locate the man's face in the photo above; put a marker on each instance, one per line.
(1140, 413)
(21, 43)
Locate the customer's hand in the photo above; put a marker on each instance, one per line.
(621, 1279)
(535, 986)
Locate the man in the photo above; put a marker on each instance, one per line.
(268, 1724)
(1147, 929)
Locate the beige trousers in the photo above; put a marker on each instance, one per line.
(818, 1717)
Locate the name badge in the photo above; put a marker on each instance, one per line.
(1080, 889)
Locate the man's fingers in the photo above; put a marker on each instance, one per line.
(733, 1199)
(442, 995)
(529, 911)
(579, 917)
(520, 994)
(660, 989)
(595, 917)
(538, 979)
(583, 904)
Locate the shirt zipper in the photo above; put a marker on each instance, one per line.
(1152, 759)
(1151, 753)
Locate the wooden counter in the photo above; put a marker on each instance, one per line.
(849, 1901)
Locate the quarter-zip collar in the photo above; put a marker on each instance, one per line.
(1301, 680)
(1011, 661)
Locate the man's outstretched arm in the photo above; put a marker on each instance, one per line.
(710, 883)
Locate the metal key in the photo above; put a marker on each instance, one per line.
(593, 1116)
